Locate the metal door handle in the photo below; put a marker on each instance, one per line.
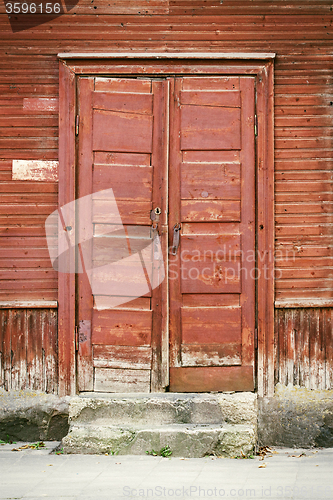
(176, 239)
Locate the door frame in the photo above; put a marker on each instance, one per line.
(258, 65)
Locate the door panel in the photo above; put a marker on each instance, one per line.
(120, 142)
(200, 180)
(212, 378)
(211, 342)
(122, 131)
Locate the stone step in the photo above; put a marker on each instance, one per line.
(163, 408)
(191, 425)
(183, 440)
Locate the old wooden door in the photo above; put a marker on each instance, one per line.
(212, 195)
(185, 147)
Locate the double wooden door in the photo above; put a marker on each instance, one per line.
(175, 309)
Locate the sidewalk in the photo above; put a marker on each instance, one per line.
(286, 473)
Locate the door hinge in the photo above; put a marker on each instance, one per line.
(76, 338)
(82, 332)
(256, 125)
(256, 338)
(77, 125)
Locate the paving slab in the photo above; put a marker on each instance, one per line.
(282, 473)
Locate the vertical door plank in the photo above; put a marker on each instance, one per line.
(49, 319)
(66, 281)
(247, 224)
(19, 345)
(34, 351)
(84, 222)
(174, 218)
(265, 228)
(159, 305)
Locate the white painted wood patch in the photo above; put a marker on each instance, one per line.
(132, 357)
(35, 170)
(28, 304)
(40, 104)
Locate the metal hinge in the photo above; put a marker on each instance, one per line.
(77, 125)
(256, 125)
(76, 339)
(256, 338)
(82, 332)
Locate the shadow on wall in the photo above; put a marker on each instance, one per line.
(29, 14)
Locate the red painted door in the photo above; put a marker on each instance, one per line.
(121, 160)
(184, 147)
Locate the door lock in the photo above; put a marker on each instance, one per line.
(155, 217)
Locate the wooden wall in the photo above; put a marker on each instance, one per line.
(28, 342)
(304, 347)
(299, 31)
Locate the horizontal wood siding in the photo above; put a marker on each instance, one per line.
(28, 349)
(299, 31)
(304, 347)
(301, 34)
(27, 132)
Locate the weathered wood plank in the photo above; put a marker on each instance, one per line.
(209, 277)
(102, 302)
(229, 98)
(41, 170)
(210, 300)
(216, 325)
(121, 381)
(119, 328)
(49, 321)
(122, 84)
(48, 104)
(302, 339)
(210, 156)
(124, 102)
(211, 355)
(210, 210)
(212, 181)
(221, 247)
(128, 183)
(106, 356)
(123, 132)
(213, 83)
(131, 212)
(207, 128)
(34, 351)
(19, 351)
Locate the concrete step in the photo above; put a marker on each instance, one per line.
(184, 440)
(191, 425)
(163, 408)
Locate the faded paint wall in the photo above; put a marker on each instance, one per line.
(300, 33)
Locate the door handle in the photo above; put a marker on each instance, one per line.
(176, 239)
